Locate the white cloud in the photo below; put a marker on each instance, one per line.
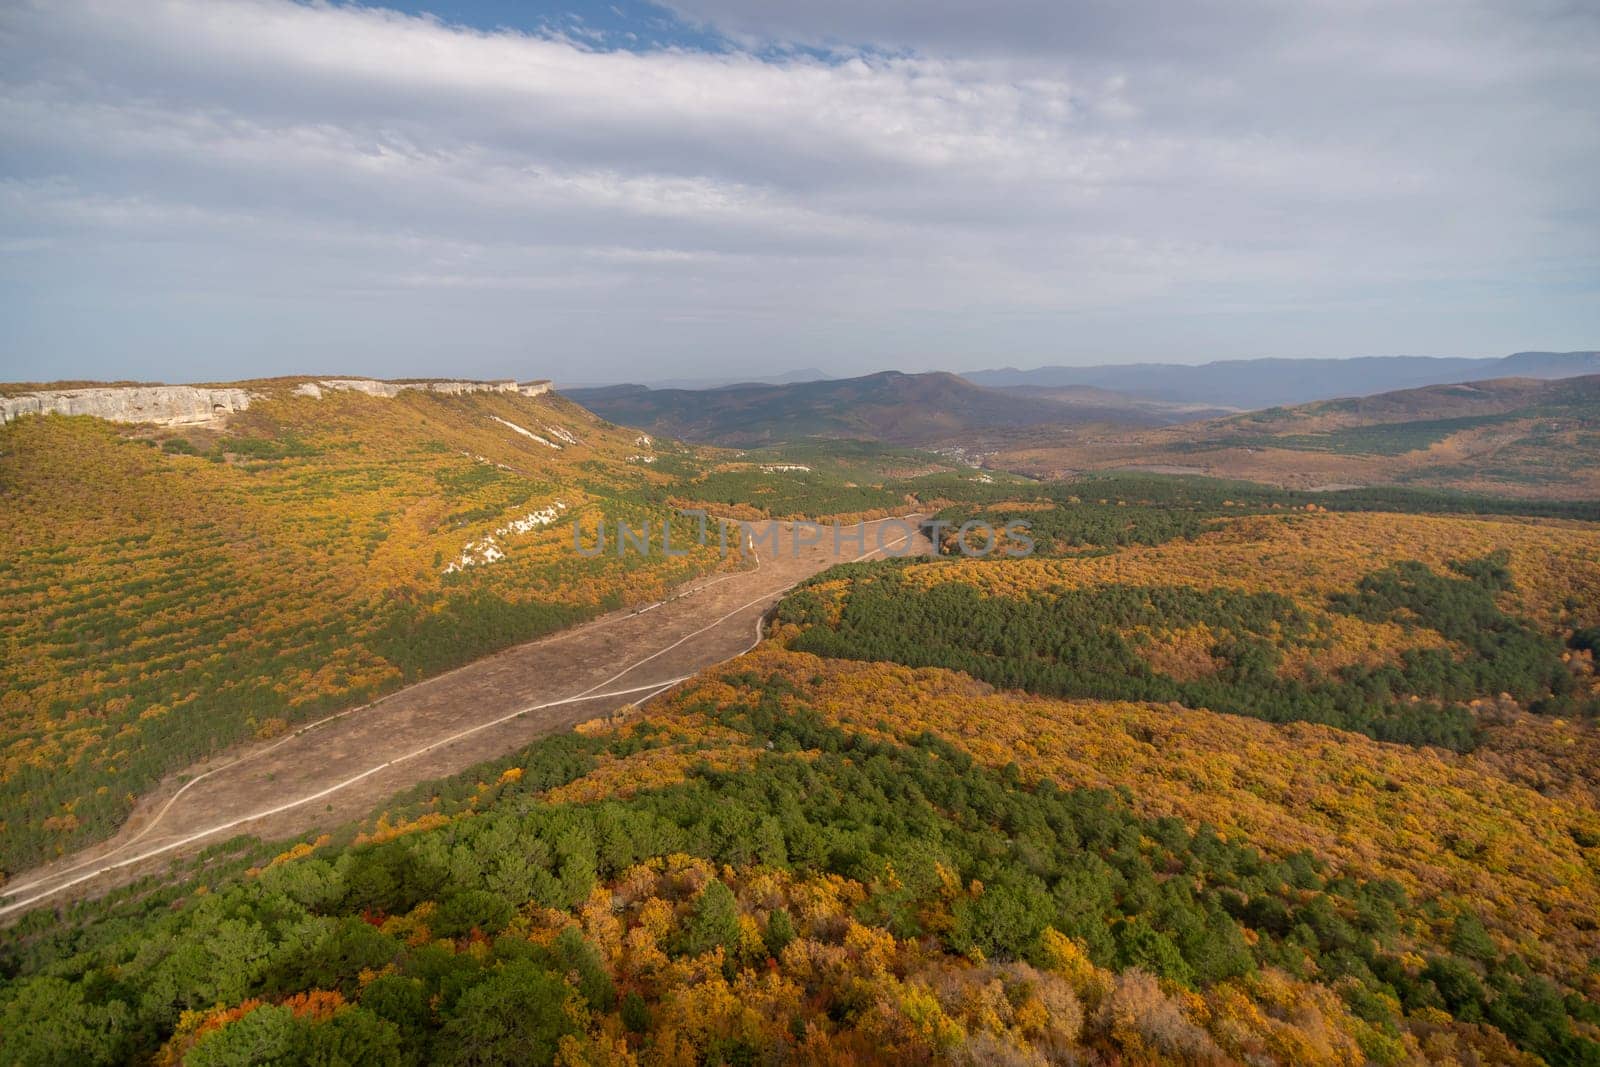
(1038, 182)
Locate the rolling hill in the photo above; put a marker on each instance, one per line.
(909, 409)
(273, 551)
(1259, 383)
(1161, 411)
(1514, 436)
(1115, 806)
(802, 374)
(184, 569)
(1219, 773)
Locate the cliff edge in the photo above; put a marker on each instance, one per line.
(190, 405)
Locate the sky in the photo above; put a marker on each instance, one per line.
(204, 190)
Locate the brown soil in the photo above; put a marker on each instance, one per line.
(343, 767)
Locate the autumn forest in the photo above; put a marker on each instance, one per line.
(1218, 773)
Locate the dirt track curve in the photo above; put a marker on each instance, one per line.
(340, 767)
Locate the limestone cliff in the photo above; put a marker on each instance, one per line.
(190, 405)
(376, 387)
(167, 405)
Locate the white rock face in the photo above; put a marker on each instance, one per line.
(192, 405)
(526, 432)
(487, 550)
(374, 387)
(164, 405)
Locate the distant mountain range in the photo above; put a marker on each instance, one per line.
(1510, 436)
(1245, 384)
(804, 374)
(939, 407)
(943, 408)
(891, 406)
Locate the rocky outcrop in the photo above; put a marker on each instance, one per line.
(375, 387)
(192, 405)
(165, 405)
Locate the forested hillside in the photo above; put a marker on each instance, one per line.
(1261, 383)
(906, 409)
(837, 849)
(168, 592)
(1389, 625)
(1508, 437)
(165, 593)
(823, 479)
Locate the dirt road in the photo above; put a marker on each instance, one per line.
(341, 767)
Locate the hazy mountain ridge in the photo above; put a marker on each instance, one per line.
(1497, 396)
(942, 408)
(888, 406)
(1260, 383)
(1514, 436)
(1166, 411)
(788, 377)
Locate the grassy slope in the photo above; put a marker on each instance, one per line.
(852, 860)
(820, 479)
(1514, 437)
(889, 406)
(164, 594)
(837, 861)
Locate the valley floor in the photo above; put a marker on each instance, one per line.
(339, 768)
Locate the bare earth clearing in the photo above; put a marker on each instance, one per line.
(341, 767)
